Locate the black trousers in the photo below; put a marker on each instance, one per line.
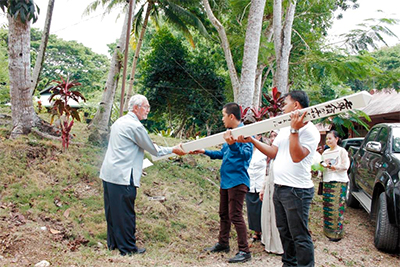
(254, 205)
(119, 206)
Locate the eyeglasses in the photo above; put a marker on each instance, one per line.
(146, 107)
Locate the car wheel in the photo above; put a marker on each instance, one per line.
(386, 235)
(351, 201)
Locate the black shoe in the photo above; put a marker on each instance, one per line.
(137, 251)
(218, 248)
(241, 256)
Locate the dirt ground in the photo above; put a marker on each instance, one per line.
(24, 243)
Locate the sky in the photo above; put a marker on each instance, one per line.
(96, 31)
(368, 9)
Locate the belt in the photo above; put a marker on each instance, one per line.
(281, 185)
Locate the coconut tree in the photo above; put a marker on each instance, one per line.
(43, 45)
(174, 12)
(100, 122)
(20, 13)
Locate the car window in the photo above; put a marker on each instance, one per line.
(372, 135)
(396, 140)
(383, 137)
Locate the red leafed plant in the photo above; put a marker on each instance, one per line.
(271, 107)
(243, 111)
(259, 113)
(274, 103)
(61, 94)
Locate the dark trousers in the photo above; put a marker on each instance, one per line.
(292, 207)
(119, 206)
(254, 205)
(231, 211)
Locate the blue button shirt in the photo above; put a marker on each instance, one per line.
(235, 162)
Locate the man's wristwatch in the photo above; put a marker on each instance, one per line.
(294, 131)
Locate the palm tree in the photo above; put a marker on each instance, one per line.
(99, 124)
(19, 14)
(174, 12)
(43, 45)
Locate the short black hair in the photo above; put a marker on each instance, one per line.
(336, 135)
(233, 108)
(299, 96)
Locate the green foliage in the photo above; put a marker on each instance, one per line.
(369, 34)
(181, 85)
(388, 76)
(4, 82)
(69, 58)
(179, 14)
(348, 120)
(25, 10)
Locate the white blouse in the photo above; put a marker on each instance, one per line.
(257, 170)
(338, 158)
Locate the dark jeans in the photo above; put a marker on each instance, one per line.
(119, 206)
(231, 211)
(292, 207)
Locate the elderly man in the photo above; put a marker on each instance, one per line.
(121, 172)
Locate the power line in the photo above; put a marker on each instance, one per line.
(69, 26)
(190, 75)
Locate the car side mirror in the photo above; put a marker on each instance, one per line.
(373, 146)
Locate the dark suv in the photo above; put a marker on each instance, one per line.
(374, 182)
(356, 141)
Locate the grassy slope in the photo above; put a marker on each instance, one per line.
(43, 186)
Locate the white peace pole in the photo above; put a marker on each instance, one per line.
(326, 109)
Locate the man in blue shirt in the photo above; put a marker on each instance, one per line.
(235, 183)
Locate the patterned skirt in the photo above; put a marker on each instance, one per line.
(334, 194)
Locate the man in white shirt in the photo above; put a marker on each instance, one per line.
(293, 151)
(121, 172)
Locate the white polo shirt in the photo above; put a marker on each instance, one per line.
(287, 172)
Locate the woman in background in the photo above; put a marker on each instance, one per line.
(256, 170)
(270, 234)
(335, 161)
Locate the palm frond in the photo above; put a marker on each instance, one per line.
(185, 16)
(138, 21)
(180, 25)
(108, 5)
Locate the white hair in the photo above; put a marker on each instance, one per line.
(136, 100)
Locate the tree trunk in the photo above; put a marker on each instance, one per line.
(282, 43)
(20, 76)
(258, 86)
(136, 57)
(226, 47)
(181, 126)
(43, 45)
(99, 124)
(250, 53)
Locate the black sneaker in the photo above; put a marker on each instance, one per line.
(241, 256)
(218, 248)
